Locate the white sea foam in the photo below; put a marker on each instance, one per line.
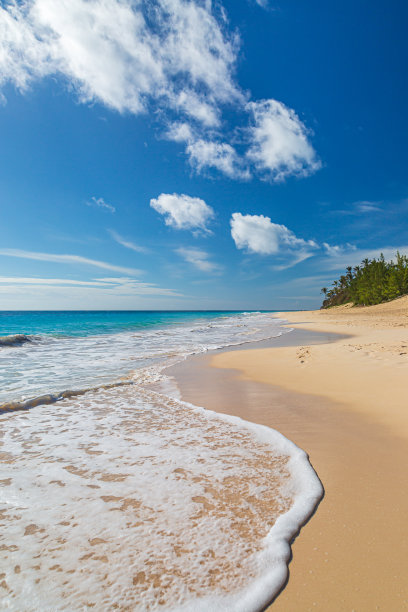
(51, 365)
(127, 499)
(124, 498)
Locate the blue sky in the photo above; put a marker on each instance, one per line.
(174, 154)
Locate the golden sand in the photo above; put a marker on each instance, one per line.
(346, 404)
(367, 372)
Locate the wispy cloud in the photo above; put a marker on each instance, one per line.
(361, 208)
(67, 259)
(199, 259)
(100, 203)
(355, 256)
(137, 287)
(293, 258)
(365, 206)
(183, 212)
(336, 250)
(128, 244)
(120, 285)
(177, 59)
(24, 280)
(112, 292)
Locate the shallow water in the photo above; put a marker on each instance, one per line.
(100, 348)
(124, 498)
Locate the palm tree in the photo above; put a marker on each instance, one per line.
(372, 282)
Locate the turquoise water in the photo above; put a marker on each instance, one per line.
(53, 352)
(93, 426)
(88, 323)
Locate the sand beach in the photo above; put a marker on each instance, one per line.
(343, 399)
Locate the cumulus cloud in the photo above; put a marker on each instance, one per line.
(204, 154)
(257, 234)
(67, 259)
(122, 53)
(172, 58)
(183, 212)
(179, 131)
(222, 156)
(100, 203)
(128, 244)
(279, 144)
(198, 258)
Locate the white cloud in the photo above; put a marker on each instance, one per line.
(335, 250)
(206, 154)
(100, 203)
(24, 280)
(123, 53)
(196, 108)
(293, 258)
(198, 258)
(279, 145)
(355, 256)
(121, 285)
(179, 131)
(128, 244)
(132, 286)
(173, 58)
(107, 293)
(366, 206)
(257, 234)
(220, 155)
(363, 207)
(67, 259)
(183, 212)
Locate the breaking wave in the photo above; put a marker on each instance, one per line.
(16, 340)
(47, 366)
(127, 499)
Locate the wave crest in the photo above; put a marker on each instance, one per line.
(16, 340)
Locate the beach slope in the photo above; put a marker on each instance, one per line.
(351, 416)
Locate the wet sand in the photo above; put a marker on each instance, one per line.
(344, 403)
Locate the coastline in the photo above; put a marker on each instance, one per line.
(123, 452)
(343, 403)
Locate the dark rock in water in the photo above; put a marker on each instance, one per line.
(16, 340)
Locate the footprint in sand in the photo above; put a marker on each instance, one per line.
(303, 353)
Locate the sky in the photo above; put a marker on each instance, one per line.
(196, 154)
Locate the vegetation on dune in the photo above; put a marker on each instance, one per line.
(373, 282)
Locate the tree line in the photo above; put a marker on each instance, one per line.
(372, 282)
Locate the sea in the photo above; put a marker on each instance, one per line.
(117, 495)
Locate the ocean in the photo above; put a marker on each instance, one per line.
(116, 494)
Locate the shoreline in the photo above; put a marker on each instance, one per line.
(357, 447)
